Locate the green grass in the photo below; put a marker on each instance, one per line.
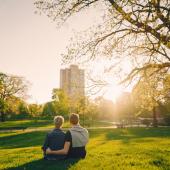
(108, 149)
(28, 124)
(24, 124)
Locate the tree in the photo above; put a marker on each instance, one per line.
(105, 109)
(138, 30)
(35, 110)
(3, 108)
(58, 105)
(61, 101)
(49, 109)
(166, 112)
(165, 107)
(91, 112)
(11, 87)
(150, 93)
(125, 108)
(23, 109)
(13, 104)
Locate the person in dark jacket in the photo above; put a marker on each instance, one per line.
(75, 141)
(55, 140)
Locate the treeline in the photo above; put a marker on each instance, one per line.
(99, 109)
(13, 92)
(146, 104)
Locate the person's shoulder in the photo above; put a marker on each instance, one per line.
(68, 136)
(61, 130)
(84, 129)
(52, 131)
(68, 132)
(49, 133)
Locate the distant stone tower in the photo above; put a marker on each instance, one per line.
(72, 81)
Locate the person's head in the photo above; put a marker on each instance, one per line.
(74, 119)
(58, 121)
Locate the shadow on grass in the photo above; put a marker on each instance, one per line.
(45, 164)
(23, 140)
(36, 138)
(12, 125)
(137, 133)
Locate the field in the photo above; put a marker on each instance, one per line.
(45, 124)
(108, 149)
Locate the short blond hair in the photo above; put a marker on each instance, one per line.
(74, 118)
(58, 121)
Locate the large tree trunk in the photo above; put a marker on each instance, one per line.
(155, 121)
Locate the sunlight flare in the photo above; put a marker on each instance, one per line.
(112, 92)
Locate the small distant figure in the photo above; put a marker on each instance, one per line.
(55, 140)
(75, 140)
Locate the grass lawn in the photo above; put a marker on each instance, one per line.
(27, 124)
(19, 124)
(108, 149)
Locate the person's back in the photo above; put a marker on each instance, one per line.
(55, 139)
(75, 141)
(78, 138)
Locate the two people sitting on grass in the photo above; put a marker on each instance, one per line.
(59, 145)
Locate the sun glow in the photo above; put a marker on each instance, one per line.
(100, 71)
(112, 92)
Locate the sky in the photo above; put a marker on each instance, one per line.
(30, 45)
